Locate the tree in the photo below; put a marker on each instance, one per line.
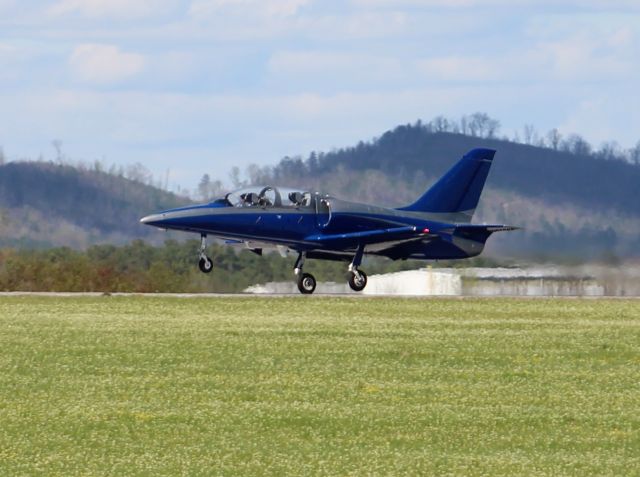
(440, 124)
(217, 189)
(634, 154)
(57, 145)
(553, 138)
(464, 125)
(204, 187)
(530, 134)
(482, 125)
(234, 176)
(493, 127)
(609, 150)
(258, 175)
(577, 145)
(139, 173)
(291, 168)
(312, 161)
(475, 124)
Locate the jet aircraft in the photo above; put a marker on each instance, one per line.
(320, 226)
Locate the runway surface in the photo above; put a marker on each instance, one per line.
(315, 295)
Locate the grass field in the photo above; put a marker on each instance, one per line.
(318, 386)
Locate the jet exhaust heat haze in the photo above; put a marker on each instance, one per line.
(319, 226)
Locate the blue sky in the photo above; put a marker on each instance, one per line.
(195, 86)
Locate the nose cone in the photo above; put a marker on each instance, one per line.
(154, 219)
(185, 218)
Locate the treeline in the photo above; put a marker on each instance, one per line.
(140, 268)
(575, 202)
(37, 199)
(569, 196)
(545, 166)
(410, 140)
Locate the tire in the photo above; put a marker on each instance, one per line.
(306, 284)
(358, 280)
(205, 264)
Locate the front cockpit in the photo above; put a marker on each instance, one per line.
(264, 197)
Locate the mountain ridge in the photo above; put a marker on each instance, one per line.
(570, 202)
(530, 170)
(46, 204)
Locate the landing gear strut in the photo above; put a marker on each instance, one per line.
(306, 281)
(357, 278)
(205, 264)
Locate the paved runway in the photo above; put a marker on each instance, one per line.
(292, 295)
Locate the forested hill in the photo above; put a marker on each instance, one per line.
(44, 204)
(572, 200)
(587, 179)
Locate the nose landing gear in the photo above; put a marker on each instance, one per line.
(306, 284)
(204, 263)
(306, 281)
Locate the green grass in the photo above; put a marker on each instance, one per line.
(318, 386)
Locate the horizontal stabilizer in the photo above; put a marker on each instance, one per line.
(480, 232)
(488, 228)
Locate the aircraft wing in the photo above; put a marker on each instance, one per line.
(367, 237)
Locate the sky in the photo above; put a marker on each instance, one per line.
(188, 87)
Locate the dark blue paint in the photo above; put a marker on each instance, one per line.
(335, 228)
(459, 189)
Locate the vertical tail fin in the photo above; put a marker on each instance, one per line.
(458, 191)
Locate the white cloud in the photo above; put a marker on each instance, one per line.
(589, 56)
(212, 132)
(398, 4)
(110, 8)
(605, 117)
(254, 80)
(580, 58)
(104, 64)
(7, 58)
(460, 69)
(312, 70)
(243, 20)
(584, 4)
(7, 50)
(359, 25)
(18, 64)
(247, 8)
(6, 4)
(246, 20)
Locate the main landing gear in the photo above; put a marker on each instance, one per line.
(205, 264)
(357, 278)
(307, 282)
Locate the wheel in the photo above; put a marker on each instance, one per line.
(205, 264)
(306, 284)
(358, 280)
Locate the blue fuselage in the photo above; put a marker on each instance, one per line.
(325, 223)
(436, 226)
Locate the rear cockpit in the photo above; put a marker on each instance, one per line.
(264, 197)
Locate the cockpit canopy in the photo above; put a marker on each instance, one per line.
(267, 196)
